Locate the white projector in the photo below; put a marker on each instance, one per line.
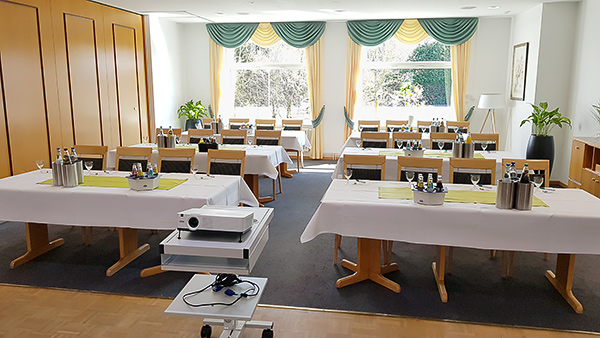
(216, 218)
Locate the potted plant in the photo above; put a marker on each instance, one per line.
(193, 112)
(541, 145)
(596, 115)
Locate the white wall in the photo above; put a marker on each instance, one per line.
(195, 59)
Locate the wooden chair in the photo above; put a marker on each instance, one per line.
(265, 124)
(195, 135)
(368, 125)
(404, 136)
(490, 139)
(236, 123)
(395, 125)
(375, 139)
(172, 160)
(290, 124)
(540, 168)
(270, 138)
(233, 136)
(132, 155)
(447, 138)
(463, 126)
(96, 154)
(207, 122)
(364, 167)
(423, 126)
(462, 168)
(419, 165)
(176, 131)
(226, 162)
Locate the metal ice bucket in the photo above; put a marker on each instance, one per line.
(468, 150)
(161, 141)
(457, 149)
(69, 175)
(170, 142)
(56, 174)
(524, 196)
(505, 195)
(79, 168)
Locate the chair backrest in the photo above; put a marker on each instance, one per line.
(490, 139)
(231, 136)
(267, 137)
(265, 124)
(423, 126)
(404, 136)
(206, 122)
(462, 168)
(447, 138)
(132, 155)
(236, 123)
(368, 125)
(289, 124)
(173, 160)
(539, 167)
(226, 162)
(463, 126)
(176, 131)
(419, 165)
(96, 154)
(195, 135)
(375, 139)
(366, 167)
(395, 125)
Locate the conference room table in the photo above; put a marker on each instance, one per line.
(105, 200)
(260, 160)
(568, 225)
(391, 160)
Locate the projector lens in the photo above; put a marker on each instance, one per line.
(193, 223)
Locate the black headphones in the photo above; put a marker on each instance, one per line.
(225, 280)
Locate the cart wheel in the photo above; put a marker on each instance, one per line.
(206, 331)
(267, 333)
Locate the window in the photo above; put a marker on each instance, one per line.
(265, 82)
(398, 80)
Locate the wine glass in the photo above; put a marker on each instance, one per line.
(89, 165)
(400, 144)
(441, 145)
(537, 181)
(484, 145)
(347, 174)
(195, 170)
(410, 175)
(358, 143)
(39, 164)
(145, 139)
(475, 179)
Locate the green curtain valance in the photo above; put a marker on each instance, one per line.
(349, 122)
(372, 32)
(299, 34)
(316, 122)
(450, 31)
(231, 35)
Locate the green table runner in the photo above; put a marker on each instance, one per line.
(457, 196)
(190, 146)
(438, 155)
(231, 148)
(120, 182)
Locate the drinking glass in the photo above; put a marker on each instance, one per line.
(475, 179)
(484, 146)
(89, 165)
(358, 143)
(39, 164)
(441, 145)
(537, 181)
(410, 175)
(195, 170)
(145, 139)
(347, 175)
(400, 144)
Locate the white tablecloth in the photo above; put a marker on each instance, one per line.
(260, 160)
(391, 162)
(290, 139)
(22, 200)
(571, 223)
(355, 136)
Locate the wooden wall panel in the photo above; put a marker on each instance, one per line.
(23, 84)
(5, 167)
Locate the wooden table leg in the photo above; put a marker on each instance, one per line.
(368, 266)
(563, 279)
(155, 270)
(37, 243)
(128, 248)
(285, 172)
(439, 271)
(508, 259)
(252, 182)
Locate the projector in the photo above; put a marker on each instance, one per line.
(216, 218)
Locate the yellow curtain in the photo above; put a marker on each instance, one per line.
(411, 32)
(352, 70)
(216, 65)
(314, 61)
(265, 35)
(461, 55)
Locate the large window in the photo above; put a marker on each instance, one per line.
(265, 82)
(398, 80)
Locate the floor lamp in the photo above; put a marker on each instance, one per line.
(490, 102)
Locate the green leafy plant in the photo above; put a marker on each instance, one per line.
(543, 121)
(596, 112)
(192, 111)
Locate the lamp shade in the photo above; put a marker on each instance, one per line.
(491, 101)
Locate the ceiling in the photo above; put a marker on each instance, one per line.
(321, 10)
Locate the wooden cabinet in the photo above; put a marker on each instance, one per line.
(590, 182)
(585, 159)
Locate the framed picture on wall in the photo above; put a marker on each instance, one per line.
(519, 71)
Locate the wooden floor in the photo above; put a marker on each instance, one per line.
(37, 312)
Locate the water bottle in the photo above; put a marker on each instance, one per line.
(506, 177)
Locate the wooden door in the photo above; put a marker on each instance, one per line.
(24, 104)
(576, 166)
